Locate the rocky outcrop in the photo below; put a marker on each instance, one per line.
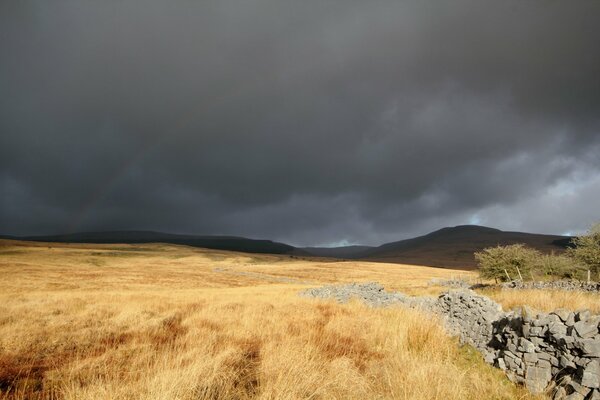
(557, 352)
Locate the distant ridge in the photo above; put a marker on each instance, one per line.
(338, 252)
(450, 247)
(454, 246)
(231, 243)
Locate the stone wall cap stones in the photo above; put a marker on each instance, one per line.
(591, 375)
(561, 313)
(583, 315)
(589, 347)
(585, 329)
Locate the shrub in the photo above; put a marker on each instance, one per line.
(561, 266)
(587, 249)
(494, 261)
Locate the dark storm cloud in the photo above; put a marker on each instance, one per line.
(311, 122)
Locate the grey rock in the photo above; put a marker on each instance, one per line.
(583, 315)
(566, 285)
(589, 347)
(537, 378)
(546, 319)
(536, 331)
(528, 314)
(526, 329)
(591, 375)
(501, 364)
(526, 346)
(537, 341)
(543, 355)
(575, 396)
(578, 388)
(453, 283)
(570, 319)
(511, 363)
(580, 362)
(561, 313)
(557, 328)
(530, 358)
(595, 395)
(371, 293)
(586, 330)
(563, 340)
(515, 377)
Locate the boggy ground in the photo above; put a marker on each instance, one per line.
(169, 322)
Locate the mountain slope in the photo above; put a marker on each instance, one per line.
(338, 252)
(448, 247)
(231, 243)
(454, 246)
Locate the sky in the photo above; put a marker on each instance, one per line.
(309, 122)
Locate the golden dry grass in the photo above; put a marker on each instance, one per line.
(545, 300)
(158, 322)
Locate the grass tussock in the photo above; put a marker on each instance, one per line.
(546, 300)
(147, 352)
(156, 326)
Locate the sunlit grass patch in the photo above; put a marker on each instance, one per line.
(160, 327)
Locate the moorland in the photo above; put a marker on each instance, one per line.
(162, 321)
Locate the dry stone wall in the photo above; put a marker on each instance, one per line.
(567, 285)
(557, 352)
(571, 286)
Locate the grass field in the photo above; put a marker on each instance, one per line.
(169, 322)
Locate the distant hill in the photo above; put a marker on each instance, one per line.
(231, 243)
(338, 252)
(448, 247)
(454, 246)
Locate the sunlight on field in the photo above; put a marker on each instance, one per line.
(159, 322)
(546, 300)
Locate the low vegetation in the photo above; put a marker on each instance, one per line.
(545, 300)
(517, 261)
(586, 249)
(501, 261)
(107, 322)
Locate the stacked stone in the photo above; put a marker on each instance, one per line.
(568, 285)
(451, 283)
(562, 347)
(372, 293)
(470, 317)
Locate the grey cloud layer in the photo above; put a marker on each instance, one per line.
(311, 122)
